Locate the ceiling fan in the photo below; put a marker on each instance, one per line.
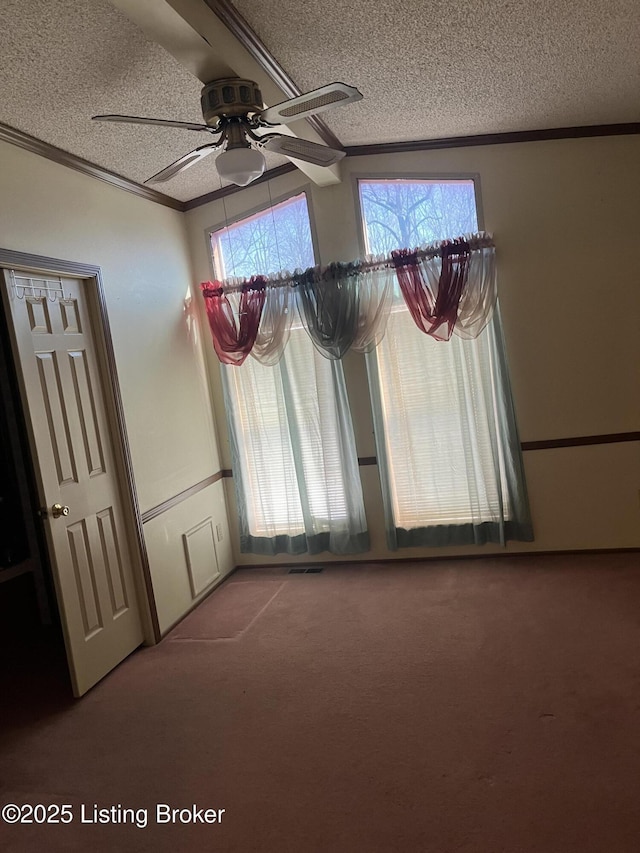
(233, 111)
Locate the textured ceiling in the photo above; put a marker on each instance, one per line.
(426, 69)
(440, 68)
(62, 61)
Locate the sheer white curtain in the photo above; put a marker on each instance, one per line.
(275, 323)
(295, 469)
(480, 295)
(446, 438)
(375, 293)
(293, 454)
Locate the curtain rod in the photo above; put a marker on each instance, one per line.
(481, 240)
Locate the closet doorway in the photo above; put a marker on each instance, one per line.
(77, 448)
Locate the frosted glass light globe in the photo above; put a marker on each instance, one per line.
(240, 165)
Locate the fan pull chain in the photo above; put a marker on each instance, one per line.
(226, 232)
(275, 231)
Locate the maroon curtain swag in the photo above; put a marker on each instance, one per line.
(434, 305)
(232, 341)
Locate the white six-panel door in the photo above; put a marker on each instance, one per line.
(75, 465)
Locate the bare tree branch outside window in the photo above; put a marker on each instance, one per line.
(403, 214)
(272, 240)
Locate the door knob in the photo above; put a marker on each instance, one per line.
(57, 510)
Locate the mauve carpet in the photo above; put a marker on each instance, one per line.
(483, 706)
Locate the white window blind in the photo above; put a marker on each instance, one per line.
(436, 416)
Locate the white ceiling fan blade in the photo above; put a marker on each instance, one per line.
(301, 149)
(311, 103)
(186, 125)
(183, 163)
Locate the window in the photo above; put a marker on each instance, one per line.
(275, 239)
(295, 467)
(442, 450)
(408, 213)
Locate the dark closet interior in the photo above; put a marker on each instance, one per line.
(14, 546)
(33, 669)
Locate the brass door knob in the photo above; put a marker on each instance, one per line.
(57, 510)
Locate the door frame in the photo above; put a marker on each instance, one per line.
(91, 277)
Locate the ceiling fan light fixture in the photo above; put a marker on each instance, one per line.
(233, 110)
(240, 165)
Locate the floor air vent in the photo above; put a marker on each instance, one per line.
(315, 570)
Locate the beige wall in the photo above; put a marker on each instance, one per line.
(574, 362)
(561, 212)
(141, 246)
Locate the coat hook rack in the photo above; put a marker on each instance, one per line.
(37, 288)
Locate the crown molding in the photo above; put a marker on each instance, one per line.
(586, 131)
(580, 132)
(64, 158)
(248, 38)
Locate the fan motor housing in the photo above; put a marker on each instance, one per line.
(230, 96)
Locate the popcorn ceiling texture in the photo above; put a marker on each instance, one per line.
(436, 69)
(426, 69)
(62, 61)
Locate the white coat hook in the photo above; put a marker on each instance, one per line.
(37, 288)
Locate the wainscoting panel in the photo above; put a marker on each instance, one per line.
(189, 550)
(200, 555)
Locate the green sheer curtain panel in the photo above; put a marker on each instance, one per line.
(295, 467)
(447, 442)
(328, 302)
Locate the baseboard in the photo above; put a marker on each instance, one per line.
(434, 559)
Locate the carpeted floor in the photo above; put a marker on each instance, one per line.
(482, 706)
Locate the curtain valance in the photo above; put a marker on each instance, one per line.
(449, 288)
